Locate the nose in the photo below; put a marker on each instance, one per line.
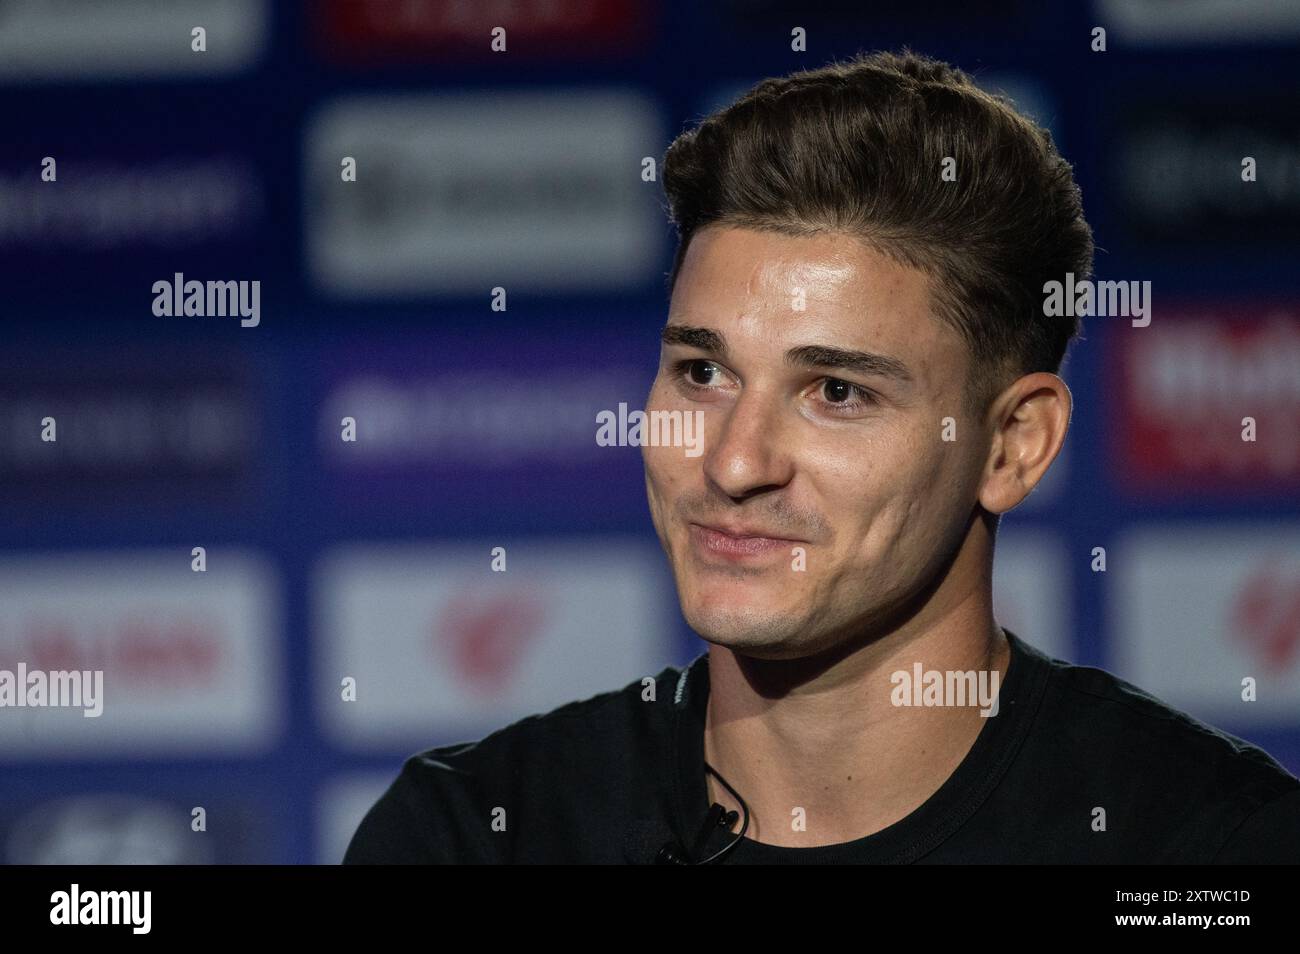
(747, 455)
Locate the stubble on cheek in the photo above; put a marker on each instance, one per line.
(663, 487)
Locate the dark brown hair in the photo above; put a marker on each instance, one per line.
(856, 147)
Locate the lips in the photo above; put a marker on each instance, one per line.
(738, 542)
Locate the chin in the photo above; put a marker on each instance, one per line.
(747, 629)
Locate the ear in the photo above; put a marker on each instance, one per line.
(1029, 421)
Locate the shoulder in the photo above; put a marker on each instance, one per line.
(1101, 706)
(1215, 791)
(456, 802)
(584, 736)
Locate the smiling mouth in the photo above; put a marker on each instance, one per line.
(737, 545)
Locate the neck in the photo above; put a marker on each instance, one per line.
(827, 737)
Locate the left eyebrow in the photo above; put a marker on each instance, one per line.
(863, 362)
(689, 336)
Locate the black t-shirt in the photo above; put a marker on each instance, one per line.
(613, 778)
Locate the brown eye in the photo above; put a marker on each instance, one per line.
(837, 392)
(846, 398)
(700, 371)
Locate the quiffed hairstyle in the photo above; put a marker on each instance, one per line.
(857, 147)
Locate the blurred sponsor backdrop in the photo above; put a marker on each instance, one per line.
(524, 169)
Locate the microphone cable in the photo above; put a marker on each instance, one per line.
(718, 817)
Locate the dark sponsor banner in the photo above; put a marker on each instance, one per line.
(98, 201)
(470, 426)
(358, 30)
(101, 205)
(1207, 400)
(1178, 166)
(112, 223)
(162, 423)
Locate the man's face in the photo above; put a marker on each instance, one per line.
(816, 509)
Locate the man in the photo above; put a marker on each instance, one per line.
(857, 310)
